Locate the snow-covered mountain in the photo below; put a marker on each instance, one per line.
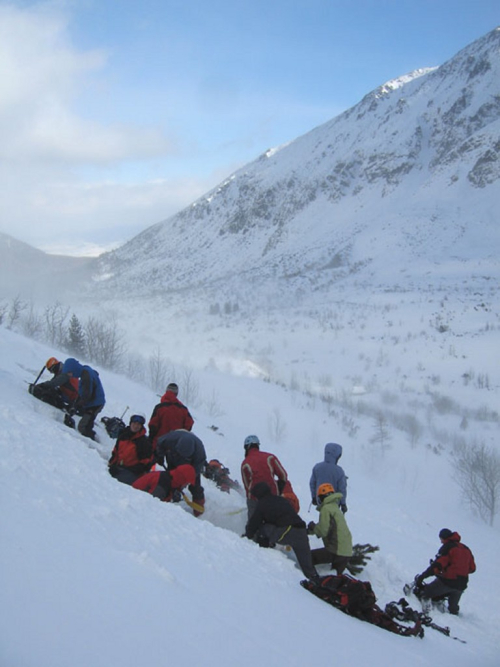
(405, 182)
(31, 273)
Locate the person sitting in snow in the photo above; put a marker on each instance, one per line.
(132, 455)
(452, 565)
(169, 415)
(177, 448)
(258, 467)
(167, 485)
(333, 529)
(329, 472)
(274, 521)
(60, 391)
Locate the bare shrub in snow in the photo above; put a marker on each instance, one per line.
(55, 317)
(213, 405)
(105, 343)
(276, 426)
(17, 306)
(189, 387)
(159, 371)
(381, 435)
(478, 475)
(31, 323)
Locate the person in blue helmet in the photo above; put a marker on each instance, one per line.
(328, 471)
(91, 398)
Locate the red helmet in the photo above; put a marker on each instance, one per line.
(51, 363)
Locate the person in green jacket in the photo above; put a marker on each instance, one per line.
(333, 529)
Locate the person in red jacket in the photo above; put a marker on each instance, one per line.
(258, 467)
(451, 567)
(169, 415)
(167, 485)
(132, 456)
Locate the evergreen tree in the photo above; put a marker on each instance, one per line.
(76, 337)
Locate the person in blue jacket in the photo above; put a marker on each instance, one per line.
(91, 398)
(329, 472)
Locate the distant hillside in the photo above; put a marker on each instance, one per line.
(406, 183)
(31, 273)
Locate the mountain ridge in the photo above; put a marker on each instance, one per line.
(419, 152)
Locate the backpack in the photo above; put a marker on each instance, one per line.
(114, 426)
(356, 598)
(219, 474)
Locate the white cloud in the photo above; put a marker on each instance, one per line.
(47, 143)
(42, 76)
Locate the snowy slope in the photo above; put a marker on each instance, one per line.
(411, 173)
(95, 573)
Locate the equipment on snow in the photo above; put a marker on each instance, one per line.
(360, 557)
(195, 506)
(219, 474)
(403, 612)
(114, 425)
(356, 598)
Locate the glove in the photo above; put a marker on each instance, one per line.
(176, 496)
(30, 388)
(310, 527)
(262, 541)
(314, 501)
(419, 580)
(281, 485)
(158, 458)
(343, 508)
(69, 421)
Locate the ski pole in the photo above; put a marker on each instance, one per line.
(123, 415)
(39, 375)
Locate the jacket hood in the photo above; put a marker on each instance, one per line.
(182, 476)
(169, 397)
(185, 447)
(333, 452)
(261, 489)
(73, 366)
(332, 498)
(454, 537)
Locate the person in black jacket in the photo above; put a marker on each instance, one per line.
(274, 521)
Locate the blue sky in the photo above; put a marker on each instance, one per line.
(116, 114)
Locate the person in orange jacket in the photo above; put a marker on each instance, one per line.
(132, 455)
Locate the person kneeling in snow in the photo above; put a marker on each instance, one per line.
(90, 400)
(451, 567)
(332, 527)
(61, 391)
(167, 485)
(178, 448)
(275, 522)
(132, 456)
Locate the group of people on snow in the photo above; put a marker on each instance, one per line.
(171, 458)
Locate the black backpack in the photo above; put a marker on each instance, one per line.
(356, 598)
(114, 426)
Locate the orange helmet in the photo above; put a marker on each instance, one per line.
(51, 363)
(325, 489)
